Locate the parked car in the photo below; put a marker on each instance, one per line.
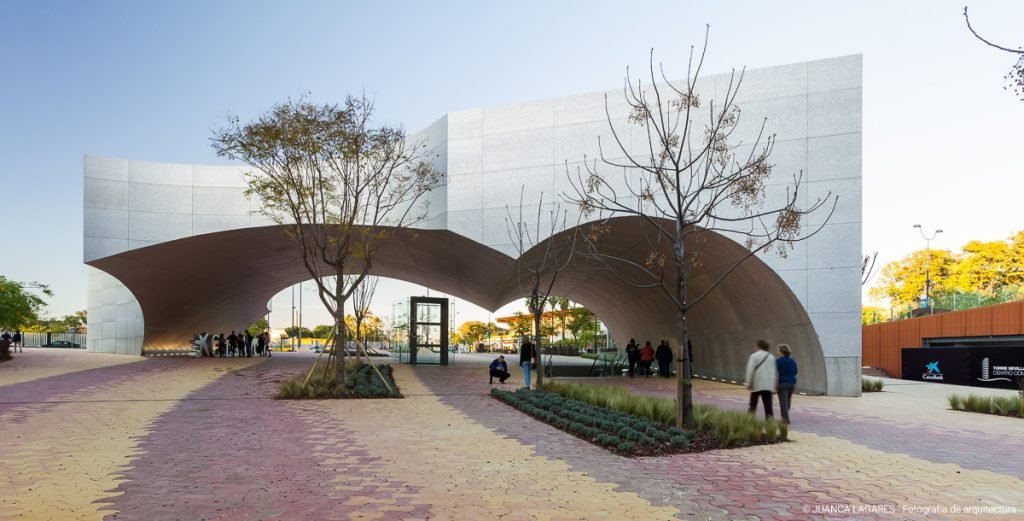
(62, 343)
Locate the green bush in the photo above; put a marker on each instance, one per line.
(955, 401)
(361, 382)
(998, 405)
(871, 385)
(732, 427)
(976, 403)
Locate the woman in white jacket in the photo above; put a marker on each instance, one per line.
(761, 378)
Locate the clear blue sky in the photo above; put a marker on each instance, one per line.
(149, 80)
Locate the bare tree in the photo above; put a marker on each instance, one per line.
(1015, 77)
(340, 187)
(688, 182)
(542, 256)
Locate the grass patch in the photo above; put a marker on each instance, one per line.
(871, 385)
(616, 431)
(731, 428)
(1012, 406)
(362, 382)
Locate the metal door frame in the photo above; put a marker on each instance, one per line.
(414, 322)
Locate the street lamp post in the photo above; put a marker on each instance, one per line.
(928, 265)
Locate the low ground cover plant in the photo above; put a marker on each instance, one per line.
(611, 417)
(871, 385)
(619, 432)
(730, 428)
(998, 405)
(362, 382)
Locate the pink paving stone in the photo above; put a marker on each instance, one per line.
(242, 456)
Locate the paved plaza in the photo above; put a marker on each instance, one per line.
(94, 436)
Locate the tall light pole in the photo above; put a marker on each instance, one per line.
(928, 265)
(291, 335)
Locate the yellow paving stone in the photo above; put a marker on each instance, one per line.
(879, 477)
(475, 474)
(63, 462)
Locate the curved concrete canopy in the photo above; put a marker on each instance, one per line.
(222, 281)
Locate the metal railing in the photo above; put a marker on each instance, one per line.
(951, 301)
(40, 339)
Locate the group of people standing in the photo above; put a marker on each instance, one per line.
(644, 357)
(767, 374)
(234, 345)
(12, 342)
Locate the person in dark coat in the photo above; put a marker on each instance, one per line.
(632, 355)
(664, 357)
(527, 354)
(787, 370)
(248, 344)
(233, 343)
(500, 369)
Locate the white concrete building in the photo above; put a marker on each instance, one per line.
(178, 248)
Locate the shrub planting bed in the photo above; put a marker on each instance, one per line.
(999, 405)
(717, 428)
(871, 385)
(619, 432)
(362, 382)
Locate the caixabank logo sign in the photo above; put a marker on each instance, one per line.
(932, 372)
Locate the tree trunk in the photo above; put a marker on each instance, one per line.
(537, 312)
(340, 347)
(684, 381)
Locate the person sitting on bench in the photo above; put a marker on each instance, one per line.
(500, 369)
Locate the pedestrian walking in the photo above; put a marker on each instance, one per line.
(787, 370)
(261, 346)
(761, 378)
(527, 354)
(632, 355)
(248, 344)
(17, 342)
(646, 357)
(664, 357)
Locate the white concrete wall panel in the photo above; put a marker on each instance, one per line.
(218, 176)
(110, 169)
(145, 172)
(106, 193)
(106, 223)
(845, 72)
(216, 200)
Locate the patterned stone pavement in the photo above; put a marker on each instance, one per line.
(109, 437)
